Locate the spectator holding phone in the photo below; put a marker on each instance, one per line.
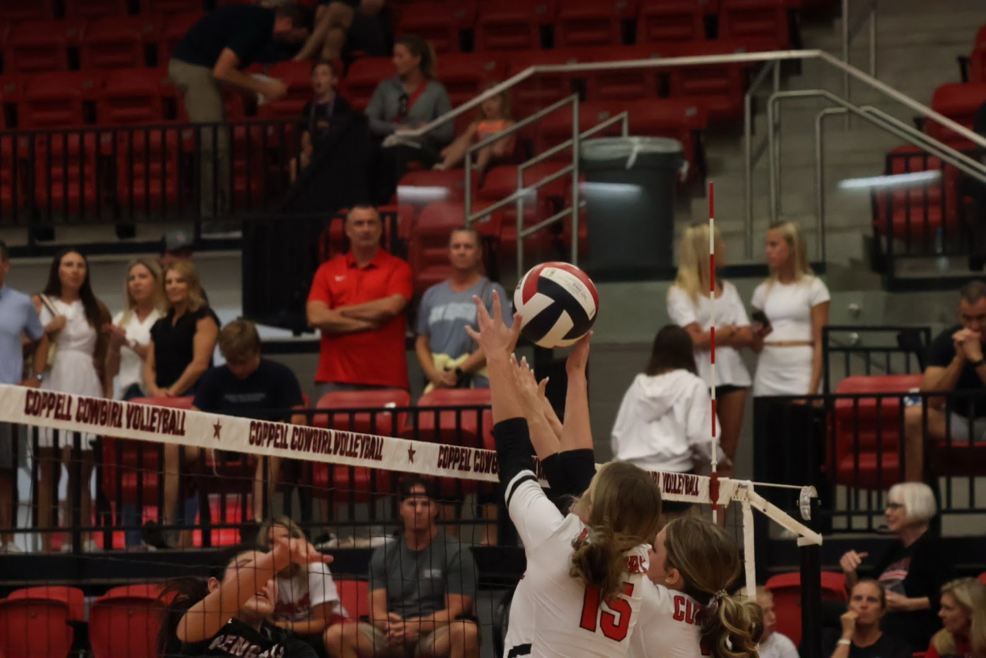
(789, 310)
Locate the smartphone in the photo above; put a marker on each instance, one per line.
(761, 317)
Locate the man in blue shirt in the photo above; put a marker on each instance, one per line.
(17, 318)
(212, 53)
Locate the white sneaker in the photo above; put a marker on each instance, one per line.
(88, 546)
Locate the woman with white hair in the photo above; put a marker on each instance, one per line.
(912, 571)
(789, 310)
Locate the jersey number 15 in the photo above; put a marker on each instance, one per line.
(613, 626)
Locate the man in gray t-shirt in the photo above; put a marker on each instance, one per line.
(422, 586)
(447, 354)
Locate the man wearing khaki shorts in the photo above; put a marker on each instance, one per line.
(422, 589)
(211, 53)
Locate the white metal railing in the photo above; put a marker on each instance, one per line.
(773, 59)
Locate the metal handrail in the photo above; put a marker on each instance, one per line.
(849, 30)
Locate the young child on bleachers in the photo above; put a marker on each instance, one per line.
(493, 116)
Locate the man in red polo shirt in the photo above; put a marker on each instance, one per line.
(357, 300)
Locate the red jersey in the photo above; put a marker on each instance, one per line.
(363, 357)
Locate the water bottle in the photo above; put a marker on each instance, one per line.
(912, 400)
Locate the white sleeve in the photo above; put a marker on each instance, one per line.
(759, 297)
(118, 318)
(535, 517)
(740, 318)
(321, 587)
(818, 293)
(681, 311)
(699, 423)
(785, 646)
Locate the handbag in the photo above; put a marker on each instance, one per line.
(52, 345)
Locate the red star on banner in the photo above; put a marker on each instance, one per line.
(217, 430)
(410, 453)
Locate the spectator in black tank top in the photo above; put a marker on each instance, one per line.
(861, 635)
(179, 353)
(228, 615)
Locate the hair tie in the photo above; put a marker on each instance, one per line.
(721, 594)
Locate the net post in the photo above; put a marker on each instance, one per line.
(811, 590)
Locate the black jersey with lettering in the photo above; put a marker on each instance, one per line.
(244, 641)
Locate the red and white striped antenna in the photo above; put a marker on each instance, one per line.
(712, 350)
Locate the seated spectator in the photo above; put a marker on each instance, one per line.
(955, 363)
(251, 387)
(179, 353)
(357, 301)
(963, 615)
(325, 113)
(422, 587)
(408, 101)
(773, 644)
(333, 18)
(861, 635)
(492, 117)
(912, 571)
(229, 614)
(307, 600)
(448, 356)
(664, 420)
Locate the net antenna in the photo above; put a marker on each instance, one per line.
(712, 342)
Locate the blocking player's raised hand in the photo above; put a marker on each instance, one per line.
(578, 358)
(493, 336)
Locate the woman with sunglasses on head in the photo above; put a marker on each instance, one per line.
(912, 571)
(73, 320)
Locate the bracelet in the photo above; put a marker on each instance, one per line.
(845, 642)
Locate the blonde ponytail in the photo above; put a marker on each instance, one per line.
(733, 627)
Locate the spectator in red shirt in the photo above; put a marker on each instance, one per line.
(357, 300)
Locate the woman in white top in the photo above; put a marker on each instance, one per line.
(690, 306)
(686, 612)
(665, 420)
(795, 304)
(73, 320)
(130, 333)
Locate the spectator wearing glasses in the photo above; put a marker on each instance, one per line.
(912, 571)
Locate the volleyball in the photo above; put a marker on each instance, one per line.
(557, 303)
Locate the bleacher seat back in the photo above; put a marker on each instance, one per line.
(90, 9)
(381, 424)
(363, 77)
(354, 596)
(786, 590)
(34, 621)
(434, 22)
(55, 99)
(41, 45)
(959, 102)
(26, 10)
(465, 75)
(125, 622)
(587, 23)
(663, 21)
(131, 96)
(512, 24)
(118, 41)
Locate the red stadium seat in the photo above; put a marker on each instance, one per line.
(90, 9)
(55, 99)
(125, 622)
(958, 102)
(501, 182)
(917, 212)
(541, 89)
(437, 22)
(977, 63)
(132, 96)
(759, 19)
(867, 432)
(982, 578)
(34, 622)
(624, 84)
(786, 588)
(118, 41)
(512, 24)
(582, 23)
(363, 77)
(718, 87)
(26, 10)
(344, 483)
(173, 28)
(169, 6)
(661, 21)
(41, 45)
(465, 75)
(354, 596)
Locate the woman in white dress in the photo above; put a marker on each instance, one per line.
(690, 306)
(129, 343)
(74, 321)
(794, 304)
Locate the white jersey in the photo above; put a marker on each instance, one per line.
(553, 615)
(668, 626)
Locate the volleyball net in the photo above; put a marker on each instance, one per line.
(194, 485)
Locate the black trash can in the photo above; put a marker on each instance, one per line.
(629, 192)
